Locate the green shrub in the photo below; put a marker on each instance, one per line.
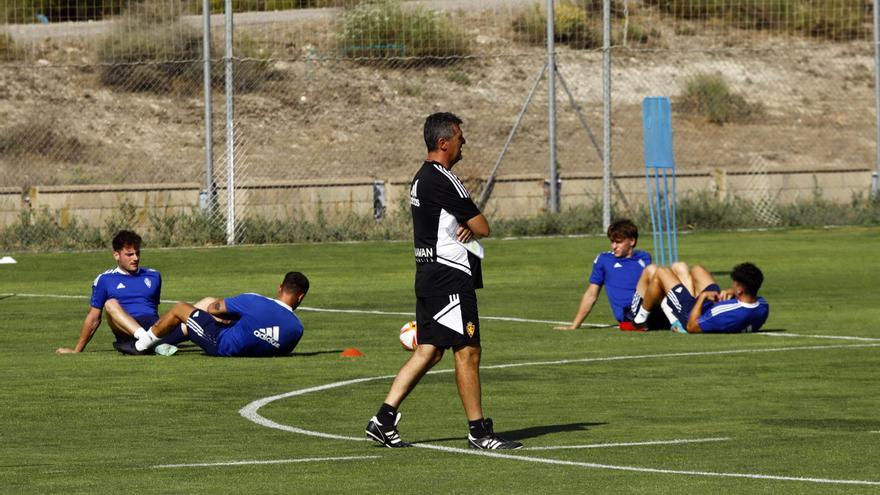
(43, 135)
(41, 229)
(839, 20)
(149, 49)
(637, 34)
(9, 50)
(384, 29)
(709, 95)
(459, 78)
(571, 26)
(218, 6)
(830, 20)
(26, 11)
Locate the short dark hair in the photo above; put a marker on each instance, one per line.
(749, 277)
(439, 125)
(623, 228)
(295, 282)
(126, 238)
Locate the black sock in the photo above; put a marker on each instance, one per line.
(477, 428)
(386, 415)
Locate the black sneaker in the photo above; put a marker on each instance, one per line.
(491, 441)
(386, 435)
(127, 347)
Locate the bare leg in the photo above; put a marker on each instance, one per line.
(681, 270)
(205, 302)
(423, 359)
(177, 315)
(467, 376)
(645, 279)
(119, 320)
(702, 279)
(663, 280)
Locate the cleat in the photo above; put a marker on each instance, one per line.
(127, 347)
(677, 327)
(388, 436)
(628, 326)
(491, 441)
(165, 349)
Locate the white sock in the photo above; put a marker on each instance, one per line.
(139, 333)
(146, 341)
(641, 316)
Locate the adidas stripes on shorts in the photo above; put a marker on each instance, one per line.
(205, 331)
(448, 321)
(681, 301)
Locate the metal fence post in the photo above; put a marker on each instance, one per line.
(606, 114)
(230, 148)
(876, 96)
(551, 108)
(209, 201)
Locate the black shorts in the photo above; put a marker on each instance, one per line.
(656, 319)
(448, 321)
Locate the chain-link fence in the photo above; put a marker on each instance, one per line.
(103, 109)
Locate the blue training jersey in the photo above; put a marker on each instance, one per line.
(733, 316)
(266, 327)
(620, 277)
(138, 293)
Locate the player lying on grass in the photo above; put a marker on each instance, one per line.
(247, 325)
(128, 293)
(712, 310)
(619, 271)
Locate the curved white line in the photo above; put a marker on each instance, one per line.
(250, 412)
(679, 441)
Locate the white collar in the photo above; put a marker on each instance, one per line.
(283, 304)
(123, 272)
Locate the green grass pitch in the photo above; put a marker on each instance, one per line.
(763, 413)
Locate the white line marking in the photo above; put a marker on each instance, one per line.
(275, 461)
(841, 337)
(631, 444)
(250, 412)
(350, 311)
(637, 469)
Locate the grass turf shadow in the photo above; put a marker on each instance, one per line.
(530, 432)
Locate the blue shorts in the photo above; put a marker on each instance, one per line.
(205, 331)
(681, 302)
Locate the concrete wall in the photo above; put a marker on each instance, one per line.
(11, 204)
(513, 196)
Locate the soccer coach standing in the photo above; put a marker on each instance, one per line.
(447, 276)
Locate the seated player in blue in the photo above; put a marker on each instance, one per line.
(128, 293)
(712, 310)
(619, 270)
(247, 325)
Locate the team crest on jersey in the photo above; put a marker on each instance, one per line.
(470, 328)
(149, 284)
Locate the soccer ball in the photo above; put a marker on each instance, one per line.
(408, 336)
